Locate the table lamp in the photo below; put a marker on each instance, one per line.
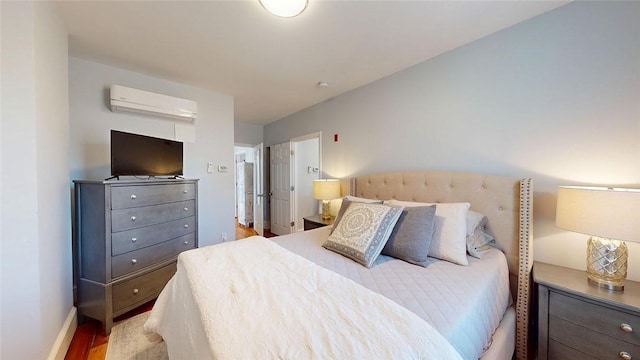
(610, 216)
(326, 190)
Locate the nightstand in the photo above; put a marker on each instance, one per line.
(577, 320)
(315, 221)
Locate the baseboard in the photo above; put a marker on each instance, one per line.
(60, 347)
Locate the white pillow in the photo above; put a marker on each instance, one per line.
(479, 241)
(474, 219)
(450, 231)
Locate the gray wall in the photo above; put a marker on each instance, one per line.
(555, 98)
(247, 134)
(35, 226)
(91, 122)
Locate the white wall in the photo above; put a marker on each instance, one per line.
(556, 98)
(36, 286)
(306, 155)
(91, 122)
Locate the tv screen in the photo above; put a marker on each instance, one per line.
(133, 154)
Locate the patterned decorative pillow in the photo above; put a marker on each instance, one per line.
(363, 231)
(411, 238)
(345, 204)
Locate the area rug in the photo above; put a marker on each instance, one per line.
(128, 341)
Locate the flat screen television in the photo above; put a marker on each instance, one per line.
(139, 155)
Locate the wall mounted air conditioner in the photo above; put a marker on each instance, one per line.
(124, 99)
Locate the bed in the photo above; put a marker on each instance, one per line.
(436, 314)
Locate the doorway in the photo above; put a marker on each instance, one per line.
(249, 186)
(306, 168)
(293, 167)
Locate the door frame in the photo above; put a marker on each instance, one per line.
(259, 199)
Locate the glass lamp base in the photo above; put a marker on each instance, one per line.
(607, 262)
(326, 211)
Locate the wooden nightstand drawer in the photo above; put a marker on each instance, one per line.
(598, 318)
(558, 351)
(588, 341)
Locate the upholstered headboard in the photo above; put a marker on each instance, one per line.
(507, 203)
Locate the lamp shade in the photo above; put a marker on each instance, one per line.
(612, 213)
(326, 189)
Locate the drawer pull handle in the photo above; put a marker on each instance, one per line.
(186, 243)
(133, 218)
(184, 191)
(186, 226)
(133, 196)
(186, 209)
(135, 291)
(626, 328)
(625, 355)
(134, 239)
(134, 261)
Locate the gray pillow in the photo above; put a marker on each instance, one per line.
(411, 238)
(363, 231)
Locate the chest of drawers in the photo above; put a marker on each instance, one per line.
(577, 320)
(127, 236)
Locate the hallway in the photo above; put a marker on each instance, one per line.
(244, 232)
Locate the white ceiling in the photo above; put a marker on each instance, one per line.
(272, 65)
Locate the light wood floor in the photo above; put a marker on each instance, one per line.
(89, 341)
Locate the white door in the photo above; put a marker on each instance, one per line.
(258, 191)
(280, 165)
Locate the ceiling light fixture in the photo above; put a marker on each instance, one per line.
(284, 8)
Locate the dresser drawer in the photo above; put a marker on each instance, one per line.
(141, 258)
(588, 341)
(125, 241)
(132, 218)
(123, 197)
(142, 288)
(596, 317)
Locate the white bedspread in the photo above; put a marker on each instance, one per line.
(253, 299)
